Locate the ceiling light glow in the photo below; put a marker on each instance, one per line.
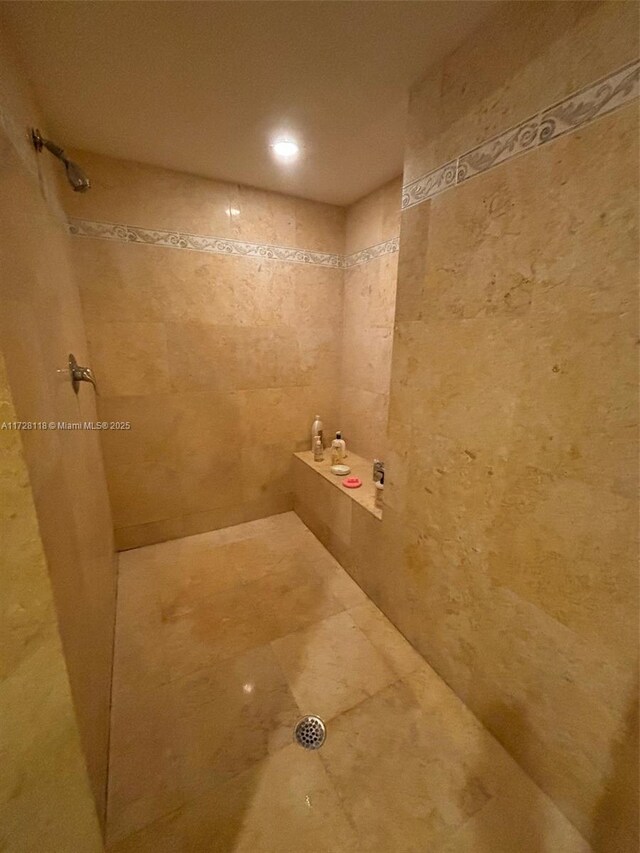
(285, 149)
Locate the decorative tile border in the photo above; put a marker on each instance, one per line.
(590, 103)
(224, 246)
(200, 243)
(429, 185)
(498, 150)
(370, 254)
(569, 114)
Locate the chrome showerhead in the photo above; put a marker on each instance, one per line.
(75, 175)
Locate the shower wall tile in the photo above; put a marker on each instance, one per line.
(507, 552)
(123, 191)
(319, 226)
(148, 197)
(219, 362)
(129, 358)
(37, 706)
(40, 324)
(374, 218)
(538, 59)
(368, 312)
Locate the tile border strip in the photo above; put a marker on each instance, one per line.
(225, 246)
(200, 243)
(571, 113)
(363, 256)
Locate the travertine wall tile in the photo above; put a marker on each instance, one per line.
(508, 547)
(40, 324)
(368, 312)
(218, 362)
(539, 54)
(43, 771)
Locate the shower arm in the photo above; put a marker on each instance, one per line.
(75, 175)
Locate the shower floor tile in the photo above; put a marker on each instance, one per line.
(223, 640)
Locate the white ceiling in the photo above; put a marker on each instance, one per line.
(202, 86)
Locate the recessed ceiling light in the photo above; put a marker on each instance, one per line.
(285, 149)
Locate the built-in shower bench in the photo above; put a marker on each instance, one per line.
(344, 520)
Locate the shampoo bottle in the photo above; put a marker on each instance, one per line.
(343, 446)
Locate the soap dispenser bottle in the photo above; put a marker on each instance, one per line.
(318, 450)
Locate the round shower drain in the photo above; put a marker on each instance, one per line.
(310, 732)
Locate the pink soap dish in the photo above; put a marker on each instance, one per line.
(352, 483)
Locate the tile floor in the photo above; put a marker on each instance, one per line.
(223, 641)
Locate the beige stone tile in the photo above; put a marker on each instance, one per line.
(397, 652)
(365, 415)
(279, 415)
(207, 422)
(200, 522)
(331, 666)
(121, 282)
(391, 200)
(369, 359)
(41, 322)
(325, 492)
(265, 470)
(523, 821)
(151, 437)
(543, 58)
(337, 581)
(424, 125)
(165, 835)
(319, 226)
(197, 567)
(268, 357)
(151, 197)
(231, 716)
(316, 298)
(293, 598)
(364, 224)
(410, 301)
(144, 779)
(436, 787)
(129, 358)
(264, 217)
(143, 492)
(198, 634)
(139, 535)
(285, 802)
(202, 356)
(374, 218)
(210, 479)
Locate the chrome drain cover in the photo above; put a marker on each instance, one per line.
(310, 732)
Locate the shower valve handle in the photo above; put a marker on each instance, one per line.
(80, 374)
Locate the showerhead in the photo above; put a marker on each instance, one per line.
(75, 175)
